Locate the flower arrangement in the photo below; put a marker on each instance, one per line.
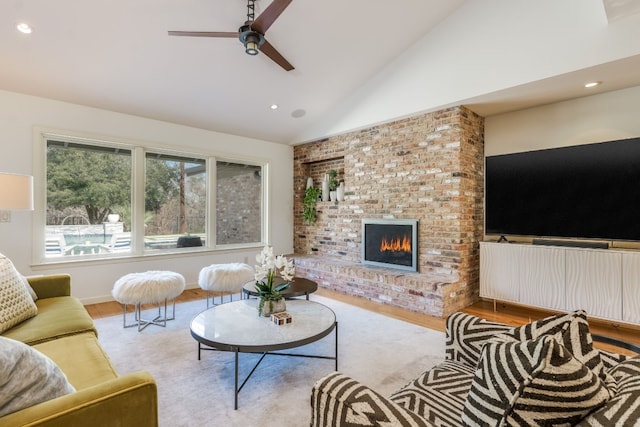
(265, 272)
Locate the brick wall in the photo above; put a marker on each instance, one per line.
(428, 167)
(237, 213)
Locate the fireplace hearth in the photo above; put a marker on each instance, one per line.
(391, 243)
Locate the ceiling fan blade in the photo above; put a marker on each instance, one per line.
(275, 56)
(269, 15)
(204, 33)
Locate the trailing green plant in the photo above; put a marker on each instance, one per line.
(310, 199)
(333, 179)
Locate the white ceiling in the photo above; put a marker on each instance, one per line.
(116, 55)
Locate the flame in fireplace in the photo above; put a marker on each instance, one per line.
(396, 244)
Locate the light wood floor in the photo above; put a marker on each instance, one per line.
(505, 313)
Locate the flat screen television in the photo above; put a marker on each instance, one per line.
(587, 191)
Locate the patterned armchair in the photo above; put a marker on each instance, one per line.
(543, 373)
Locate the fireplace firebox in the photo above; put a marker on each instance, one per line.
(391, 243)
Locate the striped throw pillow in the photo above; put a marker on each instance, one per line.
(536, 382)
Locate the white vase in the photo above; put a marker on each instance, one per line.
(309, 183)
(325, 191)
(333, 195)
(340, 192)
(271, 307)
(113, 217)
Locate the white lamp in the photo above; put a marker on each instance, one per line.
(16, 191)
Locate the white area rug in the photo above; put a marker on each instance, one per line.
(381, 352)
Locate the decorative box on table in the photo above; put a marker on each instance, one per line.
(281, 318)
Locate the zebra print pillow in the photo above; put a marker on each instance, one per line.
(536, 382)
(624, 409)
(570, 330)
(466, 334)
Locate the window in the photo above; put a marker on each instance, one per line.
(175, 201)
(189, 201)
(238, 203)
(88, 197)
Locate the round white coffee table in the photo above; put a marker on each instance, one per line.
(236, 327)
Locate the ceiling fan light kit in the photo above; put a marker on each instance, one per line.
(251, 34)
(251, 40)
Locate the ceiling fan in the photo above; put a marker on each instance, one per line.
(251, 34)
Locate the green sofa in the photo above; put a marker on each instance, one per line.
(64, 331)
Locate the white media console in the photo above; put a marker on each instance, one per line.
(603, 282)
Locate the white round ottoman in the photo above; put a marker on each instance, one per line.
(150, 287)
(224, 278)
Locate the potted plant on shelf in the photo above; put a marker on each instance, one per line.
(271, 301)
(310, 199)
(333, 184)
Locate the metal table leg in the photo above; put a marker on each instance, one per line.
(238, 387)
(336, 346)
(235, 397)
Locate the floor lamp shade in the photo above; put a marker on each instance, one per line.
(16, 191)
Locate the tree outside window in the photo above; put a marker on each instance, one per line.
(175, 201)
(87, 187)
(89, 193)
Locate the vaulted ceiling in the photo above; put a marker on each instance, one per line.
(117, 56)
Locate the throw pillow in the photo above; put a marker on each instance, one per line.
(28, 287)
(536, 382)
(572, 331)
(628, 368)
(624, 409)
(16, 304)
(27, 377)
(610, 359)
(547, 326)
(466, 334)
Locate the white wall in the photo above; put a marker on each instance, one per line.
(484, 47)
(92, 281)
(597, 118)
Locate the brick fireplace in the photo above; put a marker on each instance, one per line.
(427, 168)
(390, 243)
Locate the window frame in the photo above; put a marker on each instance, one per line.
(139, 152)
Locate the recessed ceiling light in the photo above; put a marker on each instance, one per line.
(24, 28)
(274, 106)
(298, 113)
(591, 84)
